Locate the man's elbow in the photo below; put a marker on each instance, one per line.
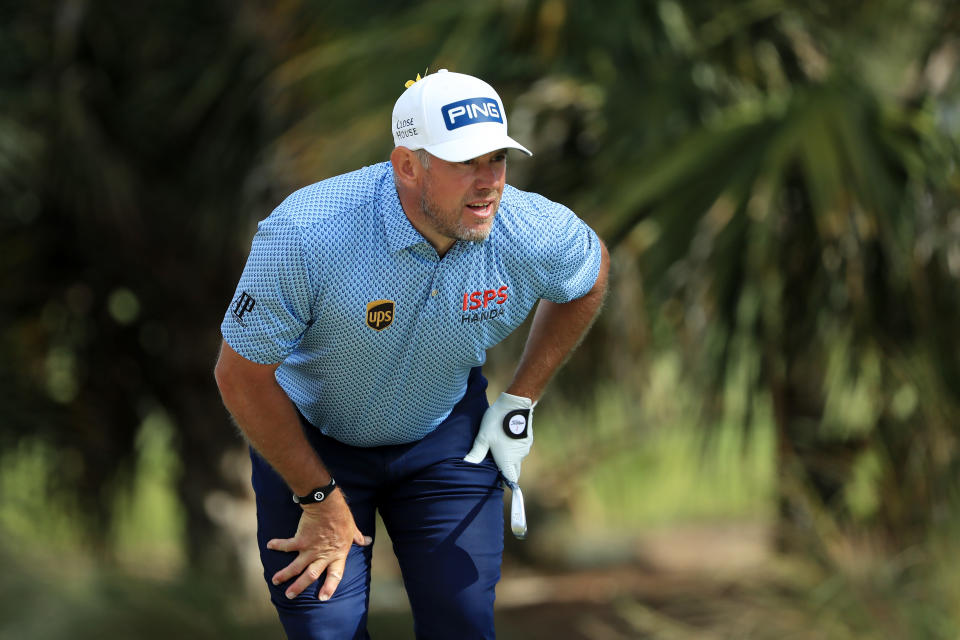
(229, 375)
(238, 377)
(223, 375)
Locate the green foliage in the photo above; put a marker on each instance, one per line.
(129, 149)
(148, 528)
(626, 462)
(30, 510)
(789, 224)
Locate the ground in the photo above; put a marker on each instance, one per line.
(703, 582)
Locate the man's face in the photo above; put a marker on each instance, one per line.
(460, 199)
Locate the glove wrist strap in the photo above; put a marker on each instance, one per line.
(516, 423)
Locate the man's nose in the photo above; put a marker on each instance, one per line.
(487, 176)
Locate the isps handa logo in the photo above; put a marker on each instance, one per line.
(380, 314)
(486, 304)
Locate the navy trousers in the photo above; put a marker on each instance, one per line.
(444, 516)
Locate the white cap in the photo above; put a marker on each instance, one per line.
(453, 116)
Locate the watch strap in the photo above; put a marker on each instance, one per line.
(316, 495)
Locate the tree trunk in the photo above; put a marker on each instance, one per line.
(813, 469)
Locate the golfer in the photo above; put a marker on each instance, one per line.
(351, 363)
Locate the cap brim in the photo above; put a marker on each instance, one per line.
(461, 150)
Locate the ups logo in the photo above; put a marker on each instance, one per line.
(379, 314)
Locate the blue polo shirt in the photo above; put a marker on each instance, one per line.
(375, 332)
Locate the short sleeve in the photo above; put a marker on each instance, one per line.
(573, 259)
(272, 305)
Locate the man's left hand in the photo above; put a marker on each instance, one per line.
(507, 432)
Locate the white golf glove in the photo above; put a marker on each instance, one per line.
(506, 431)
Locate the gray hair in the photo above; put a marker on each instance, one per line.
(424, 156)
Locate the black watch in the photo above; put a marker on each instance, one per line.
(317, 495)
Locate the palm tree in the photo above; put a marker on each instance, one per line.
(795, 227)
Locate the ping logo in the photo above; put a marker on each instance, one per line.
(380, 314)
(470, 111)
(245, 303)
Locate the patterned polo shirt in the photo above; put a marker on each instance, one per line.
(375, 332)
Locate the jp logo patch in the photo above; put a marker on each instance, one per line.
(470, 111)
(380, 314)
(245, 303)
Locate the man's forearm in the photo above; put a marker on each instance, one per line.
(269, 421)
(556, 331)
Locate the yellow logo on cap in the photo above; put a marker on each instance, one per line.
(410, 83)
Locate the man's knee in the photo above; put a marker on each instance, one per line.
(452, 594)
(343, 616)
(466, 614)
(306, 618)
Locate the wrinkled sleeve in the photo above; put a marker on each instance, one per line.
(272, 305)
(572, 260)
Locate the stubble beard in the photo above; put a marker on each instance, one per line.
(450, 224)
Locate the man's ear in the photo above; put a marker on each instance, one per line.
(406, 165)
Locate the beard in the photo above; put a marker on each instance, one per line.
(449, 222)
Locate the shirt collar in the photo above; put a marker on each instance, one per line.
(400, 233)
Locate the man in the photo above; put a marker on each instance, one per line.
(351, 362)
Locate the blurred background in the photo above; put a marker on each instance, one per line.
(759, 439)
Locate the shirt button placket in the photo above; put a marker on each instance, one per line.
(434, 294)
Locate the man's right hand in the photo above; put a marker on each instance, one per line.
(322, 542)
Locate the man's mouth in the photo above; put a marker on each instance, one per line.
(481, 208)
